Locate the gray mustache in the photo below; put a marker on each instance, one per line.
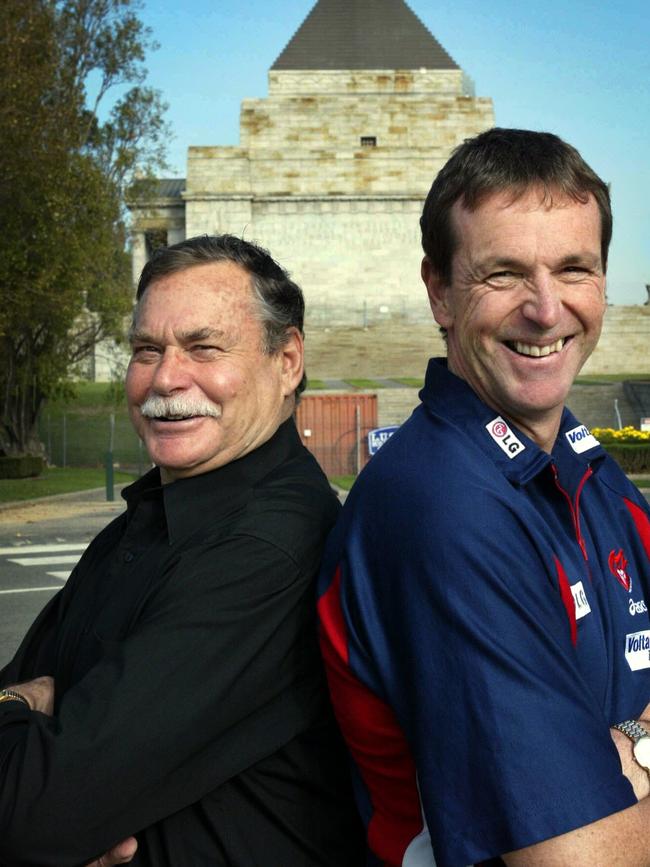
(156, 406)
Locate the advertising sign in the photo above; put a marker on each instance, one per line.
(378, 436)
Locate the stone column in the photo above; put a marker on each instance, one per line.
(138, 253)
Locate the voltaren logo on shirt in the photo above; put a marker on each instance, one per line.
(637, 649)
(580, 439)
(504, 437)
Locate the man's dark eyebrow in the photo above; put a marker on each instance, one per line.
(489, 264)
(206, 333)
(587, 259)
(136, 336)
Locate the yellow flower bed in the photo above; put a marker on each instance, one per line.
(627, 434)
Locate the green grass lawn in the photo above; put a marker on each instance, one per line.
(601, 378)
(57, 481)
(315, 384)
(76, 431)
(411, 381)
(344, 482)
(364, 383)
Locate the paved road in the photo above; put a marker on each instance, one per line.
(39, 546)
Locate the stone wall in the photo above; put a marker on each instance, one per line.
(398, 341)
(420, 121)
(328, 81)
(624, 345)
(395, 347)
(593, 405)
(342, 217)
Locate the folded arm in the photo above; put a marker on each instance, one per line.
(620, 839)
(201, 689)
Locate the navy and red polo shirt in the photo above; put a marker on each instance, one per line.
(484, 621)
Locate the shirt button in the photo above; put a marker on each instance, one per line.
(128, 556)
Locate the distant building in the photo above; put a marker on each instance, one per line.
(364, 107)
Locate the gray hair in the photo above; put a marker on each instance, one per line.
(280, 302)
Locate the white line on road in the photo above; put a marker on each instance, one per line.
(62, 575)
(42, 549)
(29, 590)
(44, 561)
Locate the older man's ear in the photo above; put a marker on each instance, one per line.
(293, 361)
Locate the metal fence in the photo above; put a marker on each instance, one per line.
(367, 312)
(83, 438)
(333, 426)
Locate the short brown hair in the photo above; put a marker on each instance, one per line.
(502, 160)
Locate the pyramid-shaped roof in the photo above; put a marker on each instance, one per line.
(363, 34)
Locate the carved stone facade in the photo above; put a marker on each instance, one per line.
(331, 173)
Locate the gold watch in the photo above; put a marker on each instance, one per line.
(12, 695)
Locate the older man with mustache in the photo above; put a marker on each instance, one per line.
(171, 695)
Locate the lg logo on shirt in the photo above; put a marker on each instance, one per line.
(504, 437)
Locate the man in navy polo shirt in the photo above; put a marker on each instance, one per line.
(483, 599)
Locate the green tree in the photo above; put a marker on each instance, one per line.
(64, 271)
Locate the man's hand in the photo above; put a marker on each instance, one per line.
(637, 775)
(38, 692)
(40, 695)
(120, 854)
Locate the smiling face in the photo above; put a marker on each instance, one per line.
(201, 391)
(525, 304)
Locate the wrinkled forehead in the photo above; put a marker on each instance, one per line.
(514, 200)
(216, 294)
(537, 196)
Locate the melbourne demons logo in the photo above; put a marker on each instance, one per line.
(618, 568)
(504, 437)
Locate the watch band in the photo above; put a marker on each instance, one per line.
(632, 729)
(640, 738)
(12, 695)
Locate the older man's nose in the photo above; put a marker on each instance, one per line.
(171, 372)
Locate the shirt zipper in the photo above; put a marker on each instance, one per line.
(574, 506)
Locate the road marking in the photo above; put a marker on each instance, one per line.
(42, 549)
(29, 590)
(44, 561)
(62, 575)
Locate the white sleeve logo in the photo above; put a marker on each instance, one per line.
(637, 649)
(580, 600)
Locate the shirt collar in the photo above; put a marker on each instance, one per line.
(446, 394)
(190, 503)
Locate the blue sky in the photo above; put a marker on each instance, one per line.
(580, 69)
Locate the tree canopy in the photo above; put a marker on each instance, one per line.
(67, 159)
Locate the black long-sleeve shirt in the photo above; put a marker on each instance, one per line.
(190, 706)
